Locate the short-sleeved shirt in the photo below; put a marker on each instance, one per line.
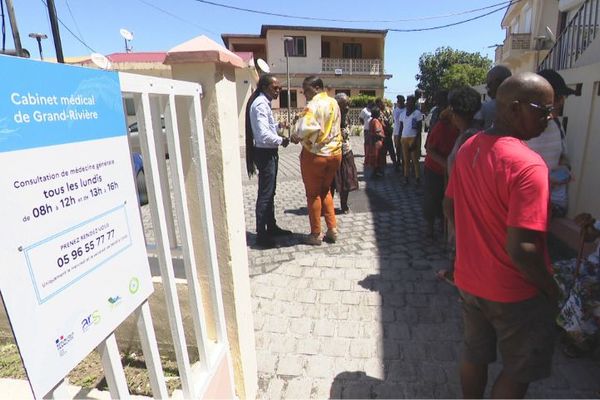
(365, 114)
(549, 144)
(441, 139)
(396, 114)
(410, 122)
(496, 182)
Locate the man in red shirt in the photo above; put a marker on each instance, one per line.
(498, 198)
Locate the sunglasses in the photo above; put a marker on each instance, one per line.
(544, 110)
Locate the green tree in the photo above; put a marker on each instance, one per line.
(433, 67)
(462, 75)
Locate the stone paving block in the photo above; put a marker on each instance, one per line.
(321, 389)
(397, 331)
(293, 270)
(300, 283)
(266, 362)
(308, 346)
(344, 263)
(354, 274)
(335, 347)
(285, 295)
(329, 297)
(312, 272)
(301, 326)
(324, 328)
(362, 348)
(275, 388)
(291, 365)
(321, 284)
(264, 291)
(342, 285)
(306, 296)
(276, 324)
(281, 344)
(325, 262)
(294, 310)
(348, 329)
(351, 298)
(299, 388)
(320, 367)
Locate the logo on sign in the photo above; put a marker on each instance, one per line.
(62, 342)
(114, 301)
(134, 285)
(92, 319)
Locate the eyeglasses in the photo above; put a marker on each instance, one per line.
(545, 110)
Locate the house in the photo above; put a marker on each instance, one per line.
(575, 54)
(530, 27)
(348, 60)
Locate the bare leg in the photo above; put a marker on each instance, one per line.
(473, 378)
(507, 388)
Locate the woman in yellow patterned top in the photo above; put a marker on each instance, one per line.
(318, 130)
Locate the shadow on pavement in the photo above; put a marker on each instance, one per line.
(420, 329)
(282, 241)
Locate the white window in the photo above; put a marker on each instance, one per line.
(526, 18)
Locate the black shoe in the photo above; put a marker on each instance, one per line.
(406, 180)
(277, 231)
(265, 241)
(418, 180)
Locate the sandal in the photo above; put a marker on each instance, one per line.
(446, 275)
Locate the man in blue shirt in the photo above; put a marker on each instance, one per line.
(262, 142)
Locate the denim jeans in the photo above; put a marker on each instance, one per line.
(267, 161)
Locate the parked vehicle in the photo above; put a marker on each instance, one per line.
(140, 178)
(134, 137)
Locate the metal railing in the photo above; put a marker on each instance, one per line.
(352, 66)
(575, 38)
(280, 115)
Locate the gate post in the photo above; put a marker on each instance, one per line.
(203, 61)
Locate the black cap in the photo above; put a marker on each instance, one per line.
(557, 82)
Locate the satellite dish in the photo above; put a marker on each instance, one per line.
(262, 64)
(100, 61)
(125, 34)
(551, 34)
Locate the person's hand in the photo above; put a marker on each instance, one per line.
(295, 138)
(586, 223)
(285, 142)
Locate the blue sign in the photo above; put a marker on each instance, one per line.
(45, 104)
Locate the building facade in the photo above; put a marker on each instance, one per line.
(348, 60)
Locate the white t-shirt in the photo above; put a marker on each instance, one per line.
(365, 115)
(409, 123)
(396, 114)
(548, 145)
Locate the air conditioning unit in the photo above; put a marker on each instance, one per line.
(338, 71)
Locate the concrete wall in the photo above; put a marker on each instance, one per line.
(245, 83)
(306, 65)
(583, 140)
(221, 130)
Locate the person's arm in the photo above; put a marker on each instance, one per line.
(448, 206)
(264, 130)
(306, 126)
(523, 247)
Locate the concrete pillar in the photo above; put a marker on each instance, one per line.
(203, 61)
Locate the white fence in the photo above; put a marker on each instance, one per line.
(168, 203)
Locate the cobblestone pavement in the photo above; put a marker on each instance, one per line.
(365, 317)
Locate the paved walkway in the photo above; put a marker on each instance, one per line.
(365, 317)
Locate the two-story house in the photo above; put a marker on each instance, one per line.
(529, 27)
(574, 34)
(348, 60)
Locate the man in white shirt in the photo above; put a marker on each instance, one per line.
(398, 109)
(411, 125)
(262, 142)
(365, 117)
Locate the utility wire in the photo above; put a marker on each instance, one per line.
(273, 14)
(454, 23)
(177, 17)
(71, 32)
(73, 18)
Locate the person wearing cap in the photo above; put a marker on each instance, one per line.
(552, 147)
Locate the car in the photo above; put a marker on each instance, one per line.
(140, 178)
(134, 137)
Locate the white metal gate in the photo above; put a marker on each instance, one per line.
(153, 99)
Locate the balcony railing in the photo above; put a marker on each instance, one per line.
(352, 66)
(575, 38)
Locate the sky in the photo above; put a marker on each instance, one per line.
(159, 25)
